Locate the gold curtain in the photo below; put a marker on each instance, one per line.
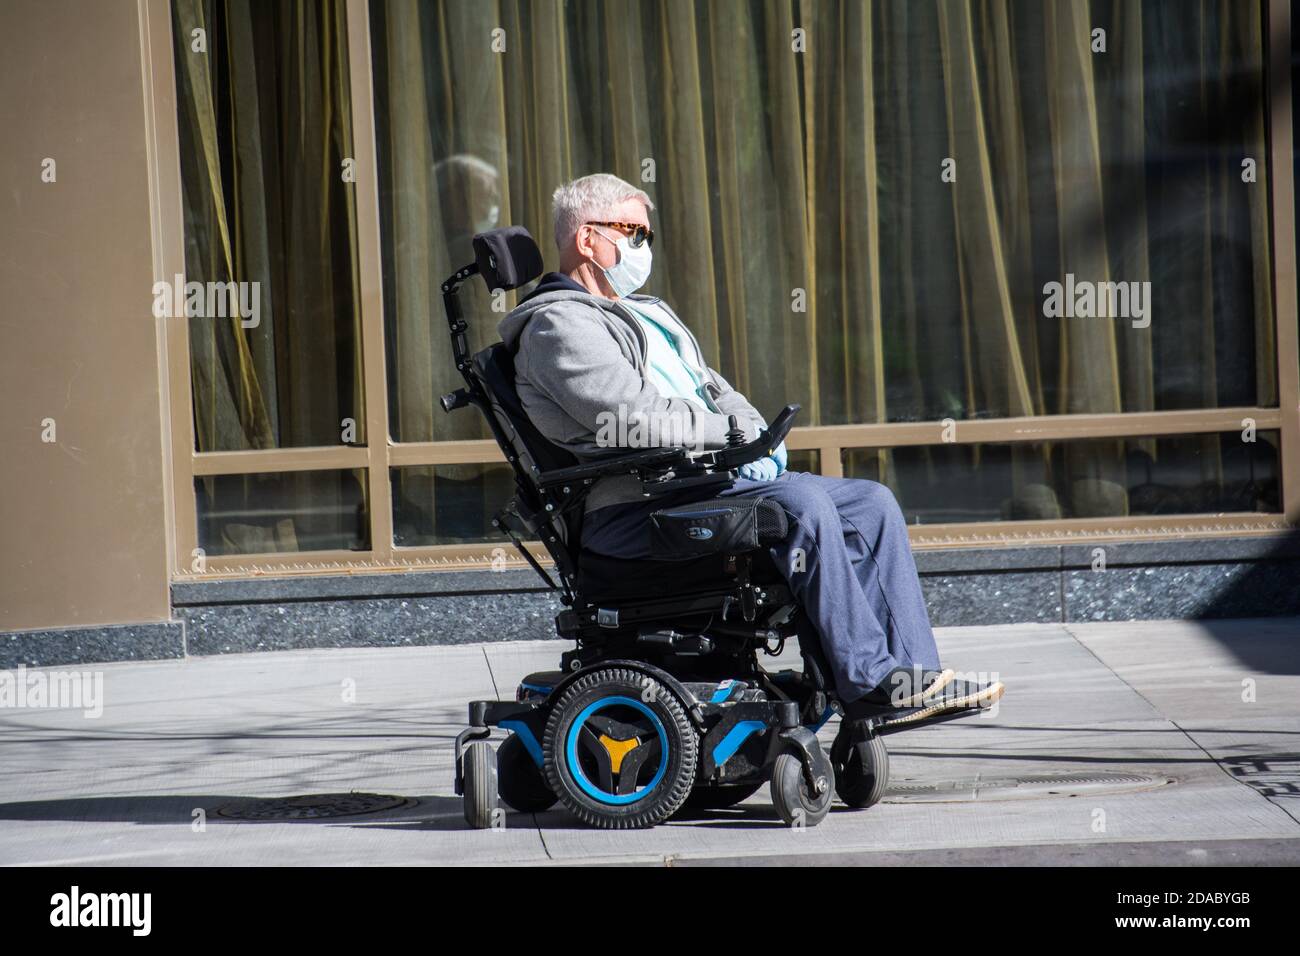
(794, 151)
(266, 126)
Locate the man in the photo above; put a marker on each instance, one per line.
(596, 362)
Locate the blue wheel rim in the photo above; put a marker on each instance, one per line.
(575, 766)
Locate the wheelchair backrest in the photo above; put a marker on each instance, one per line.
(507, 258)
(531, 451)
(495, 368)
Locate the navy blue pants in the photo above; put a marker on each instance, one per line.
(847, 559)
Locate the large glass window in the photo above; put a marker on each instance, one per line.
(449, 504)
(283, 512)
(890, 212)
(1092, 478)
(266, 131)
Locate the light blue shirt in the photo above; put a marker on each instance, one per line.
(674, 376)
(669, 370)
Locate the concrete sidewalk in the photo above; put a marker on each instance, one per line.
(1115, 743)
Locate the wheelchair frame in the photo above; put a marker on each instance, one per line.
(750, 725)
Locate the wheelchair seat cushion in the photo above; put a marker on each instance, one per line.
(716, 526)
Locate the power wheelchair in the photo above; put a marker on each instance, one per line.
(662, 701)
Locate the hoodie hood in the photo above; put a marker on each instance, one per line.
(553, 282)
(553, 287)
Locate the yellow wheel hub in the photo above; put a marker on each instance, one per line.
(618, 749)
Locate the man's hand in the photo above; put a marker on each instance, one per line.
(765, 469)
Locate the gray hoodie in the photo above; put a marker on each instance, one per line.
(580, 367)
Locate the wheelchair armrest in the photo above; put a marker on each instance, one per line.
(653, 460)
(760, 447)
(653, 463)
(702, 478)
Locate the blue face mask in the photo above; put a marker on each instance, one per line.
(632, 269)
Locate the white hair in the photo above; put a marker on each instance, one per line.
(588, 198)
(467, 163)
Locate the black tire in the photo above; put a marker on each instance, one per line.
(721, 797)
(519, 779)
(861, 769)
(625, 702)
(480, 763)
(795, 803)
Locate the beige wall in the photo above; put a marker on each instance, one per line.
(83, 538)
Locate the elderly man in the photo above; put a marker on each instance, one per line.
(591, 353)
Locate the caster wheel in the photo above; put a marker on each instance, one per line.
(719, 798)
(861, 769)
(795, 803)
(519, 779)
(619, 750)
(480, 782)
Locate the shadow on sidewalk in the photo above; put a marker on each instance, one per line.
(1269, 645)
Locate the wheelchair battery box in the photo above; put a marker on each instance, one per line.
(726, 525)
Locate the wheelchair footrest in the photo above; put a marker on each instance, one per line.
(490, 713)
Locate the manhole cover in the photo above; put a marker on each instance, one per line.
(1028, 785)
(314, 807)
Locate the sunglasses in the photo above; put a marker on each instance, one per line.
(639, 234)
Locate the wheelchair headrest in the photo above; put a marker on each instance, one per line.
(507, 257)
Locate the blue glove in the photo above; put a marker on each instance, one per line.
(765, 469)
(780, 457)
